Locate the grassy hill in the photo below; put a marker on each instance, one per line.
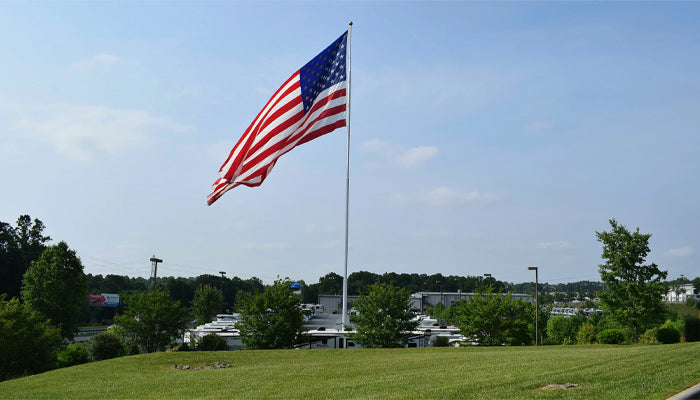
(602, 372)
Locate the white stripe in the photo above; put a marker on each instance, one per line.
(256, 123)
(246, 170)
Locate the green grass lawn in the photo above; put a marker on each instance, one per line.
(602, 372)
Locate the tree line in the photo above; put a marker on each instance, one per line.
(45, 300)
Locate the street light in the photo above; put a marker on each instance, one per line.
(537, 308)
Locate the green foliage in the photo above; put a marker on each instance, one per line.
(73, 354)
(649, 336)
(611, 336)
(563, 330)
(384, 317)
(20, 246)
(55, 286)
(692, 329)
(633, 291)
(152, 320)
(586, 334)
(206, 304)
(272, 319)
(441, 341)
(493, 318)
(438, 311)
(212, 342)
(104, 346)
(668, 335)
(28, 342)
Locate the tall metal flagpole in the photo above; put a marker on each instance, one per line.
(347, 191)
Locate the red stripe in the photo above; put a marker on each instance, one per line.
(319, 131)
(245, 144)
(282, 126)
(262, 123)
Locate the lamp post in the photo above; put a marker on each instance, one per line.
(537, 307)
(486, 277)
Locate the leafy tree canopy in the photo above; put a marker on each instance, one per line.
(206, 304)
(494, 318)
(28, 342)
(384, 317)
(633, 290)
(19, 247)
(153, 320)
(272, 319)
(55, 286)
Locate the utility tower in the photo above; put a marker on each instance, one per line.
(154, 269)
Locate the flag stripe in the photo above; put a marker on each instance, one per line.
(277, 149)
(311, 103)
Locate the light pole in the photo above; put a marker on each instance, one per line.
(486, 277)
(537, 307)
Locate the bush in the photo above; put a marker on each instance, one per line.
(562, 330)
(692, 329)
(668, 335)
(649, 337)
(441, 341)
(212, 342)
(104, 346)
(611, 336)
(72, 354)
(586, 334)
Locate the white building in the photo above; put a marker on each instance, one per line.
(680, 294)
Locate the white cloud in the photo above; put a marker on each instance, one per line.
(556, 246)
(417, 155)
(444, 196)
(681, 252)
(99, 61)
(404, 157)
(82, 131)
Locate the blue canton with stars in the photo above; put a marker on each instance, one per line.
(323, 71)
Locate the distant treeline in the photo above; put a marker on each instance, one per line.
(182, 289)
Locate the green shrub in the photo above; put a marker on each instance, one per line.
(586, 334)
(441, 341)
(692, 329)
(104, 346)
(649, 337)
(611, 336)
(73, 354)
(212, 342)
(184, 347)
(562, 330)
(668, 335)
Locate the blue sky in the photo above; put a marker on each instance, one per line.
(486, 137)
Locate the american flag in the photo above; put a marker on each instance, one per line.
(311, 103)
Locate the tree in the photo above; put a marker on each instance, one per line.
(19, 247)
(28, 342)
(153, 320)
(633, 291)
(207, 302)
(384, 317)
(563, 330)
(55, 286)
(272, 319)
(493, 318)
(104, 346)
